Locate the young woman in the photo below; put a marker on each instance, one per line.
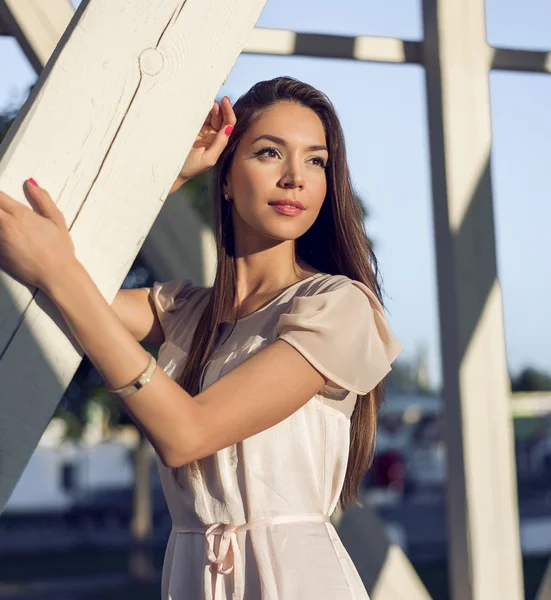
(264, 410)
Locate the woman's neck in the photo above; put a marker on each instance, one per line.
(263, 270)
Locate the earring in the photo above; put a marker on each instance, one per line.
(226, 196)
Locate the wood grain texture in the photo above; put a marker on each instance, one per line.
(106, 130)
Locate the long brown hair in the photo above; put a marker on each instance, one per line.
(336, 243)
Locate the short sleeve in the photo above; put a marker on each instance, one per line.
(344, 334)
(171, 299)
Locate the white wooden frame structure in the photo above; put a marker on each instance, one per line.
(482, 504)
(106, 131)
(484, 557)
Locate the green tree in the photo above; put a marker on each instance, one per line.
(531, 380)
(8, 114)
(403, 376)
(6, 119)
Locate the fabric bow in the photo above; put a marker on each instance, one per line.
(227, 557)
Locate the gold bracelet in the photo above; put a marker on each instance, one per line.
(138, 383)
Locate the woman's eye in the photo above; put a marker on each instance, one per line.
(318, 160)
(270, 152)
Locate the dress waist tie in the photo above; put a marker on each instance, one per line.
(227, 562)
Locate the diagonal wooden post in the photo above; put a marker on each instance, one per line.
(106, 131)
(178, 245)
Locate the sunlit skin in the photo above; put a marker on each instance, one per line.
(281, 156)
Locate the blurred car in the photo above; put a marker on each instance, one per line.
(425, 465)
(388, 470)
(541, 454)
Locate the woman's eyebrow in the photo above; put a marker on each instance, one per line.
(281, 142)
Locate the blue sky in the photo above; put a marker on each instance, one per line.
(383, 111)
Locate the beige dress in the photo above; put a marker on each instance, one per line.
(257, 527)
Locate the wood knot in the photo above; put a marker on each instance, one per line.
(151, 62)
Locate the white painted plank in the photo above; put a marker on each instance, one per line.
(364, 48)
(106, 131)
(530, 404)
(37, 25)
(507, 59)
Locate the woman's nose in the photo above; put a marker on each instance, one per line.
(293, 177)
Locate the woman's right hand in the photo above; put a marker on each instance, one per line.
(209, 143)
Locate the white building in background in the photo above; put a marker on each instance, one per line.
(60, 471)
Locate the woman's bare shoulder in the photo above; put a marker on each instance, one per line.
(137, 313)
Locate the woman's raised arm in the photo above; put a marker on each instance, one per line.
(136, 311)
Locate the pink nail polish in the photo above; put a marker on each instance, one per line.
(228, 129)
(33, 182)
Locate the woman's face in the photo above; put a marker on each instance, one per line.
(281, 157)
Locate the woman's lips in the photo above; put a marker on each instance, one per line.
(291, 208)
(290, 211)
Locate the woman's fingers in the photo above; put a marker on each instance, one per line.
(211, 140)
(221, 115)
(8, 204)
(214, 151)
(217, 147)
(39, 199)
(228, 121)
(216, 116)
(43, 204)
(229, 117)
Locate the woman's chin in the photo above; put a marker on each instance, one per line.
(280, 228)
(283, 233)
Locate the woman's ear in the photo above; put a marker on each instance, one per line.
(226, 188)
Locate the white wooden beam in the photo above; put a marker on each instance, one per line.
(106, 131)
(382, 565)
(531, 61)
(370, 48)
(37, 25)
(362, 48)
(530, 404)
(485, 558)
(544, 591)
(385, 49)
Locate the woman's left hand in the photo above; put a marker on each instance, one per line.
(35, 244)
(209, 143)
